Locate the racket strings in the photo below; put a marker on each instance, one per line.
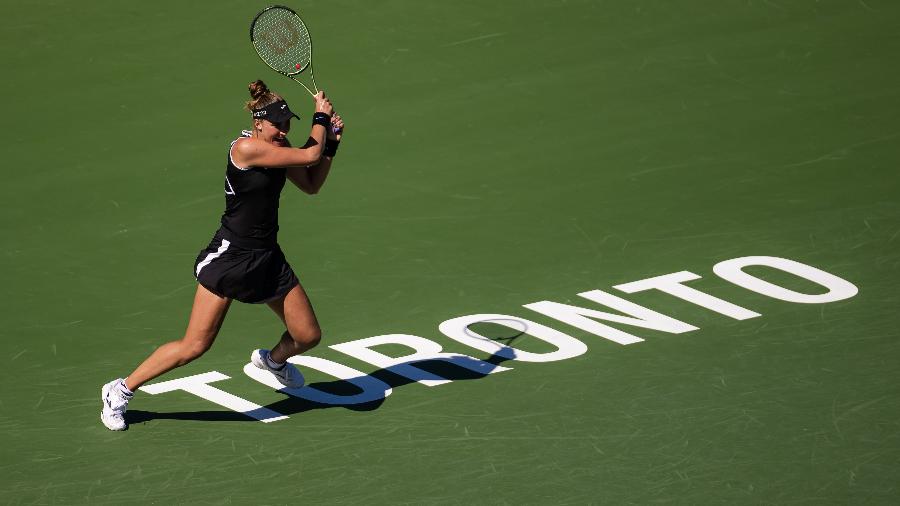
(282, 41)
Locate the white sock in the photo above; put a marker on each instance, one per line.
(124, 389)
(273, 364)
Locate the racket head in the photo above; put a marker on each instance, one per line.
(281, 40)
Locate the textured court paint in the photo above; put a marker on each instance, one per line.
(837, 288)
(199, 385)
(565, 346)
(672, 284)
(405, 365)
(496, 153)
(409, 365)
(584, 318)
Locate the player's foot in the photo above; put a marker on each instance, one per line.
(115, 397)
(286, 374)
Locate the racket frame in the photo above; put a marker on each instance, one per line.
(292, 75)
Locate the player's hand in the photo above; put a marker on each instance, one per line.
(337, 128)
(323, 104)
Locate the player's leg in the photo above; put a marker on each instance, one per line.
(207, 316)
(302, 334)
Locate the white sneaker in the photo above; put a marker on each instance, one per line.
(115, 402)
(287, 375)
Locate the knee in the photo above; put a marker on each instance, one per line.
(194, 348)
(307, 337)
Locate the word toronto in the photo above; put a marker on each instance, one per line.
(371, 389)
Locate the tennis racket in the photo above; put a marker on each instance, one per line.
(282, 41)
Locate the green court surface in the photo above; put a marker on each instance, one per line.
(497, 154)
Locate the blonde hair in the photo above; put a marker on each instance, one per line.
(260, 96)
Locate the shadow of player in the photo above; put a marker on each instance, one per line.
(454, 369)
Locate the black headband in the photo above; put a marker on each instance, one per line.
(276, 112)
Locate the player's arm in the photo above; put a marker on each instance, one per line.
(299, 176)
(318, 173)
(251, 152)
(310, 179)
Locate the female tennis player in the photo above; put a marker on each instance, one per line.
(244, 262)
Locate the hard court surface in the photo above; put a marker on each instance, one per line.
(497, 154)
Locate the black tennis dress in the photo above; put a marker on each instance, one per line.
(243, 261)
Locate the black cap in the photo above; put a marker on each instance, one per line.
(276, 112)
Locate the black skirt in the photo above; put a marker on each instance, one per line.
(248, 275)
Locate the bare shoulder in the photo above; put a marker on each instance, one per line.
(247, 150)
(248, 146)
